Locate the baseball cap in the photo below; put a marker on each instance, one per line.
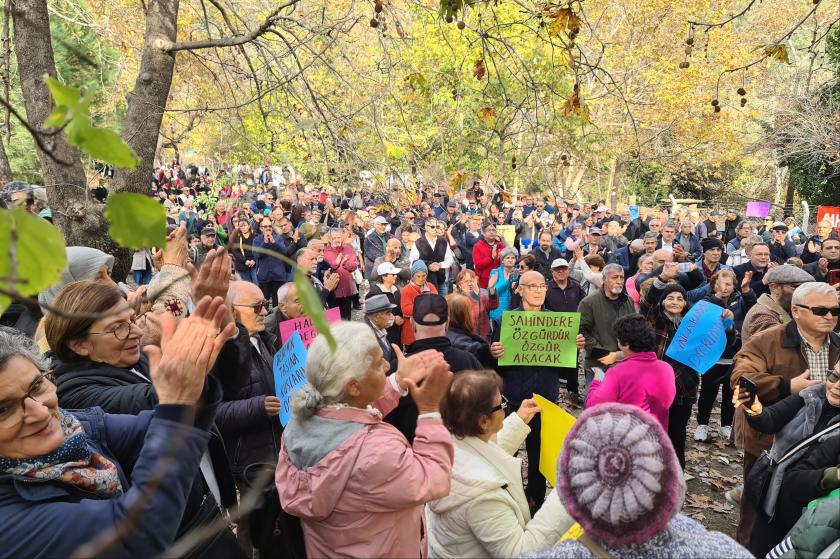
(595, 231)
(430, 303)
(208, 231)
(779, 225)
(601, 209)
(559, 263)
(387, 268)
(380, 219)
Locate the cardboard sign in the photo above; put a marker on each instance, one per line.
(539, 339)
(555, 425)
(289, 374)
(758, 209)
(701, 338)
(303, 325)
(507, 233)
(831, 213)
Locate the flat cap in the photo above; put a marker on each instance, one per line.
(787, 274)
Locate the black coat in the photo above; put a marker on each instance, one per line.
(756, 284)
(471, 343)
(544, 262)
(395, 331)
(404, 416)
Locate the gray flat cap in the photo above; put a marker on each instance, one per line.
(786, 274)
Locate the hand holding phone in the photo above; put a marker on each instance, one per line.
(747, 389)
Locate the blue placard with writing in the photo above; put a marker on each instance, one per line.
(289, 374)
(701, 338)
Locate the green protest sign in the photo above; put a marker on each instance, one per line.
(541, 339)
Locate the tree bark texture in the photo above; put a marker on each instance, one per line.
(147, 101)
(5, 168)
(75, 215)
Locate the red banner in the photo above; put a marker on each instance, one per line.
(831, 213)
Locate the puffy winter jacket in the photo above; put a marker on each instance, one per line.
(486, 513)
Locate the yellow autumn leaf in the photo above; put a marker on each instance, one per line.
(563, 19)
(778, 53)
(488, 115)
(458, 177)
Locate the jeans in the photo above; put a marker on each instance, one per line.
(249, 274)
(710, 382)
(269, 289)
(142, 277)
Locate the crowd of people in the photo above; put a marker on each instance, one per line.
(409, 437)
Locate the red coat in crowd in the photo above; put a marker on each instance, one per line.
(483, 262)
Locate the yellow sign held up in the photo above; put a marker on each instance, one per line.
(555, 425)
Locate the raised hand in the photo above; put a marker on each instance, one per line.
(414, 369)
(528, 409)
(212, 279)
(670, 271)
(745, 284)
(175, 252)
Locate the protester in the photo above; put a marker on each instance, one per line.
(375, 243)
(523, 381)
(645, 267)
(618, 478)
(480, 299)
(244, 259)
(387, 275)
(272, 272)
(393, 255)
(758, 265)
(828, 262)
(545, 254)
(501, 280)
(784, 360)
(340, 465)
(91, 453)
(791, 420)
(486, 513)
(342, 260)
(461, 329)
(564, 295)
(773, 308)
(379, 315)
(486, 254)
(640, 379)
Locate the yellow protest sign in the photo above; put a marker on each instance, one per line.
(555, 425)
(507, 233)
(573, 533)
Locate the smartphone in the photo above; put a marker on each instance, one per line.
(685, 267)
(833, 277)
(599, 373)
(746, 386)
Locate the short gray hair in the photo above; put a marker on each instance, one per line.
(508, 251)
(13, 344)
(651, 235)
(753, 240)
(283, 291)
(807, 288)
(328, 371)
(611, 268)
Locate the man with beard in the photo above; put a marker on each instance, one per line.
(773, 309)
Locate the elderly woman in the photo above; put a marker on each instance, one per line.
(486, 513)
(792, 420)
(415, 287)
(645, 267)
(68, 478)
(342, 260)
(482, 303)
(501, 281)
(353, 480)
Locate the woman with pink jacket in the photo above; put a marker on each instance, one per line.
(640, 379)
(356, 484)
(342, 259)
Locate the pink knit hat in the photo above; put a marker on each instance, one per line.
(618, 475)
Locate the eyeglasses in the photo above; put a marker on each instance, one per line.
(501, 407)
(822, 311)
(122, 330)
(257, 307)
(12, 412)
(833, 376)
(535, 286)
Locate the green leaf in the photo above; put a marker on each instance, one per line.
(106, 145)
(137, 221)
(313, 307)
(63, 95)
(57, 118)
(39, 254)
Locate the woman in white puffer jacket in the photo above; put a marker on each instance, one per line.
(486, 513)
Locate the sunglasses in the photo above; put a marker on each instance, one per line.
(833, 376)
(257, 307)
(822, 311)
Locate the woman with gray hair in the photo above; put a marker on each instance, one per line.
(356, 484)
(502, 279)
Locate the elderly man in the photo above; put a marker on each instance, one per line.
(773, 309)
(522, 381)
(394, 255)
(781, 247)
(829, 260)
(758, 265)
(598, 313)
(742, 255)
(208, 243)
(433, 249)
(743, 231)
(782, 361)
(379, 315)
(249, 419)
(689, 242)
(375, 243)
(564, 295)
(628, 257)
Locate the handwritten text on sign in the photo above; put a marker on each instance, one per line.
(303, 325)
(543, 339)
(289, 374)
(701, 338)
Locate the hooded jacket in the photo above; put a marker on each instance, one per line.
(486, 513)
(357, 485)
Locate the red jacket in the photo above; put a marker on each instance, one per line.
(482, 261)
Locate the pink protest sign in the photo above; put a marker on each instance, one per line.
(303, 325)
(758, 209)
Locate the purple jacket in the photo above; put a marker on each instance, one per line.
(639, 380)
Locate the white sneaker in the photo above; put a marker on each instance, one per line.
(702, 433)
(725, 432)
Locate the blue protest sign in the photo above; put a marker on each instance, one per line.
(701, 339)
(289, 374)
(634, 212)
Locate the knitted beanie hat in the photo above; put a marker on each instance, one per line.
(419, 266)
(672, 287)
(618, 475)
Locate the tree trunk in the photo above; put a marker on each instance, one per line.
(147, 101)
(5, 168)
